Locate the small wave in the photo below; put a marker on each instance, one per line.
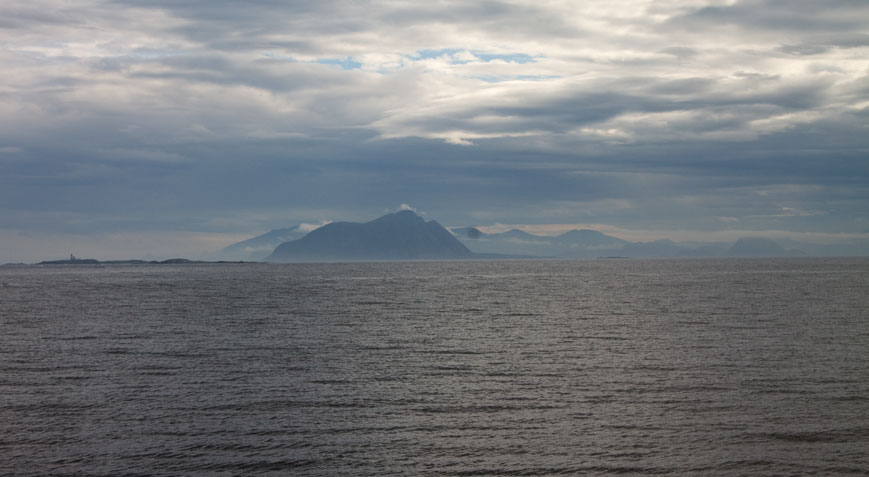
(70, 338)
(782, 390)
(743, 464)
(473, 409)
(453, 352)
(585, 470)
(383, 348)
(71, 378)
(262, 465)
(852, 397)
(838, 435)
(117, 351)
(231, 446)
(332, 381)
(275, 405)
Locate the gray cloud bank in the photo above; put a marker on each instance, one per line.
(192, 119)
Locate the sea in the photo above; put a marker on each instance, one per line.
(532, 367)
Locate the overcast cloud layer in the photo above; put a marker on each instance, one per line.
(155, 128)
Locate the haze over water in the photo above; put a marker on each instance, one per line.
(698, 367)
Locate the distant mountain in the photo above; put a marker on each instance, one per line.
(519, 235)
(573, 244)
(261, 246)
(467, 232)
(759, 247)
(399, 236)
(586, 243)
(513, 242)
(585, 238)
(406, 236)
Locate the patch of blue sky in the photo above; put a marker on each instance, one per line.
(481, 56)
(429, 54)
(346, 63)
(509, 58)
(273, 56)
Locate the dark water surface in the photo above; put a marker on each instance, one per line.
(691, 367)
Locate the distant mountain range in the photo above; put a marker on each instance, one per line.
(593, 244)
(572, 244)
(405, 235)
(399, 236)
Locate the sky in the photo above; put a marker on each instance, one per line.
(157, 128)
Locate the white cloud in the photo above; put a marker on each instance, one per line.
(305, 227)
(457, 141)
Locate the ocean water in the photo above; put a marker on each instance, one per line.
(683, 367)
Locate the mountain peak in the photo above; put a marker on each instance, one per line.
(401, 235)
(404, 215)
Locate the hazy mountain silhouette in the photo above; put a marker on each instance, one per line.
(592, 244)
(588, 238)
(406, 236)
(261, 246)
(399, 236)
(472, 233)
(759, 247)
(572, 244)
(520, 235)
